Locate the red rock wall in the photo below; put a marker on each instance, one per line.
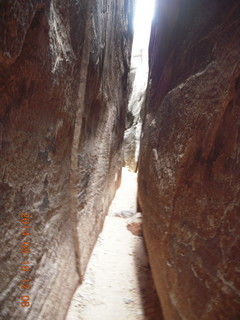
(189, 175)
(63, 79)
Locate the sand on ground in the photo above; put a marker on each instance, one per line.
(118, 283)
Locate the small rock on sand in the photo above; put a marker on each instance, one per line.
(134, 224)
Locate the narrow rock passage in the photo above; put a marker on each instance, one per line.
(117, 284)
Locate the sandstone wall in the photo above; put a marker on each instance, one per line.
(63, 79)
(189, 175)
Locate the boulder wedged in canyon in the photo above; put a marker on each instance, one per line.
(63, 80)
(189, 174)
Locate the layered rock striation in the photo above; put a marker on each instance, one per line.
(63, 83)
(189, 174)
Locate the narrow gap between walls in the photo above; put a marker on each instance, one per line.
(138, 79)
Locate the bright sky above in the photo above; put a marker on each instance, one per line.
(144, 12)
(142, 21)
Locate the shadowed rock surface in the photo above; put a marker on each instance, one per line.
(63, 88)
(189, 175)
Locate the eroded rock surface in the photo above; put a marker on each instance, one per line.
(63, 82)
(189, 175)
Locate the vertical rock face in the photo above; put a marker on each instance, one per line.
(189, 175)
(63, 79)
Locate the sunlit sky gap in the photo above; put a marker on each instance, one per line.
(144, 11)
(143, 15)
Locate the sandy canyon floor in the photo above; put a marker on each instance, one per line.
(118, 283)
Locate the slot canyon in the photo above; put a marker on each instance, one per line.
(66, 131)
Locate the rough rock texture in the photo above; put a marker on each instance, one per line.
(189, 175)
(63, 84)
(134, 224)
